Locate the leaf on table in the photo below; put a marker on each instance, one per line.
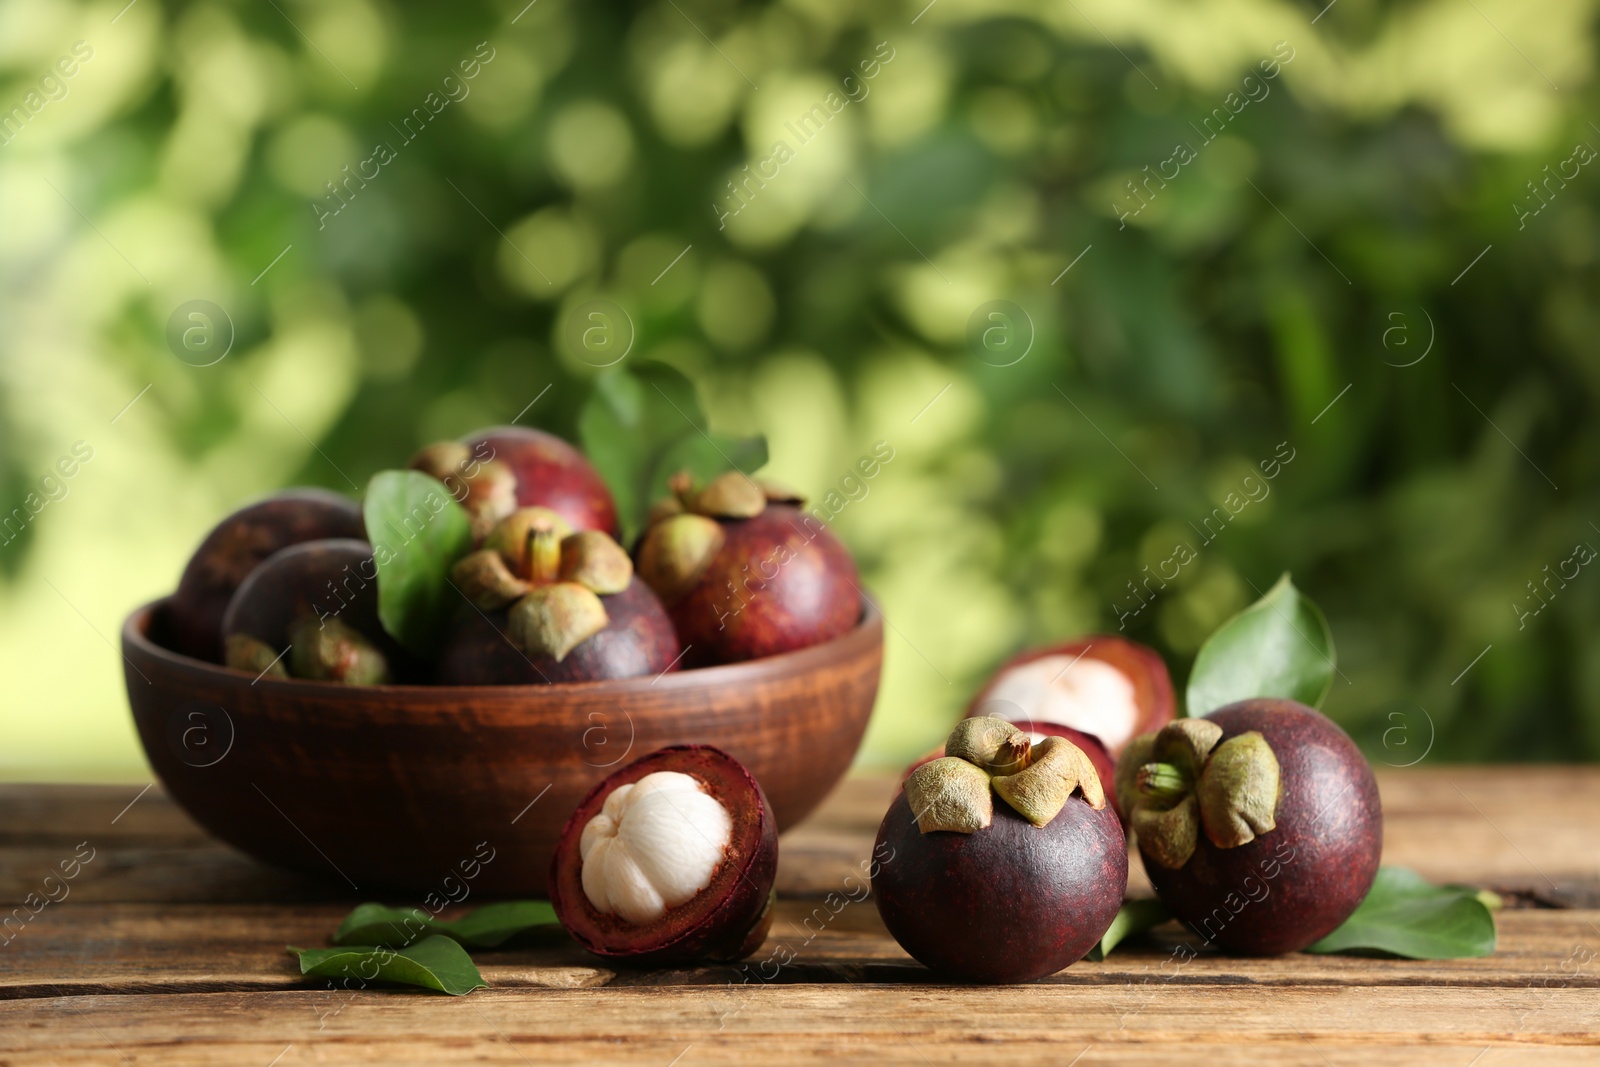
(485, 927)
(1280, 646)
(418, 531)
(1134, 918)
(435, 962)
(643, 423)
(1406, 915)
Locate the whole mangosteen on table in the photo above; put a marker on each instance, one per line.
(1259, 824)
(1000, 861)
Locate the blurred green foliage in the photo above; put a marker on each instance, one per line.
(1274, 295)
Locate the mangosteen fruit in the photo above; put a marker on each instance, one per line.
(311, 611)
(1000, 861)
(744, 572)
(669, 860)
(236, 545)
(547, 604)
(1105, 686)
(1259, 824)
(546, 472)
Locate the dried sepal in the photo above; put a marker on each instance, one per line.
(676, 553)
(328, 650)
(664, 508)
(593, 559)
(1135, 755)
(981, 740)
(486, 581)
(1185, 743)
(778, 493)
(1238, 791)
(950, 794)
(554, 619)
(1042, 789)
(731, 495)
(1168, 835)
(486, 488)
(245, 653)
(1184, 779)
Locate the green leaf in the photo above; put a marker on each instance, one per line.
(642, 424)
(1280, 646)
(433, 963)
(485, 927)
(418, 531)
(1405, 915)
(1134, 918)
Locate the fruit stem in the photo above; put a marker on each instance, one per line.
(1013, 756)
(544, 556)
(1162, 780)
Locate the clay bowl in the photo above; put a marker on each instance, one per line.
(434, 788)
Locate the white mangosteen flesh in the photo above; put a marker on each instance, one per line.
(655, 844)
(1083, 693)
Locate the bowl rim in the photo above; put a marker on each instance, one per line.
(864, 637)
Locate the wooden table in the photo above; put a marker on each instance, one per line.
(168, 949)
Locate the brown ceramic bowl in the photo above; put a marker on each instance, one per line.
(435, 788)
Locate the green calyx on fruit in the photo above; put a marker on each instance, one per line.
(677, 551)
(553, 578)
(731, 495)
(245, 653)
(987, 756)
(554, 619)
(328, 650)
(486, 579)
(486, 488)
(1184, 779)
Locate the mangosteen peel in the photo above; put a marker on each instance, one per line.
(670, 860)
(550, 604)
(744, 572)
(1007, 863)
(1259, 825)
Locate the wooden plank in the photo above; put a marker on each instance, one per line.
(1507, 828)
(142, 948)
(1119, 1024)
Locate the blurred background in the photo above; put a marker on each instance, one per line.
(1092, 269)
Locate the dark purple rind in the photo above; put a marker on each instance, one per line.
(1012, 902)
(728, 920)
(1295, 884)
(331, 577)
(552, 474)
(234, 547)
(793, 585)
(638, 640)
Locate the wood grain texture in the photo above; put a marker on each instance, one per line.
(169, 949)
(404, 787)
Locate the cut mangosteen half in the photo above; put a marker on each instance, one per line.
(1109, 687)
(669, 860)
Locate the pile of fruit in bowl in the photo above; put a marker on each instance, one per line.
(379, 691)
